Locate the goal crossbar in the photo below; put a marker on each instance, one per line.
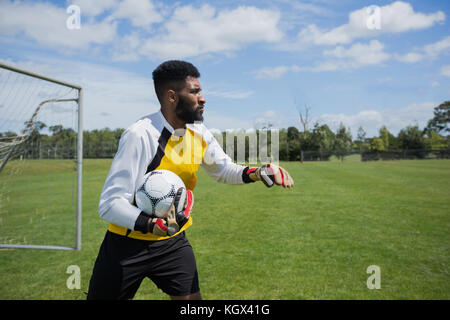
(35, 75)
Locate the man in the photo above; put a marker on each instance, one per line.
(137, 245)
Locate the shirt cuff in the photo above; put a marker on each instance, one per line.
(141, 223)
(245, 175)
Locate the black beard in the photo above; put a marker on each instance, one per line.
(185, 112)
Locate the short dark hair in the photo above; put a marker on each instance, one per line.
(172, 73)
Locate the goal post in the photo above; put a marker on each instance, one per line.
(41, 152)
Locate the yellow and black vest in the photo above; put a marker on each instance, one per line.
(181, 155)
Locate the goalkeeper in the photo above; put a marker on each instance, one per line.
(136, 245)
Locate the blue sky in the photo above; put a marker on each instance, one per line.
(260, 61)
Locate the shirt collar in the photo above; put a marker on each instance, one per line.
(176, 132)
(165, 123)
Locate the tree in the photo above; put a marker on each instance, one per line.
(293, 136)
(32, 144)
(411, 138)
(343, 141)
(101, 143)
(393, 142)
(441, 118)
(320, 139)
(327, 137)
(360, 139)
(56, 137)
(434, 140)
(377, 144)
(384, 136)
(305, 118)
(284, 145)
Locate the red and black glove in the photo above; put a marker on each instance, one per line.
(269, 174)
(180, 211)
(157, 226)
(146, 223)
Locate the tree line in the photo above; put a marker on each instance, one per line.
(317, 143)
(320, 143)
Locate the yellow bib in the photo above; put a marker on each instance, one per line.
(182, 155)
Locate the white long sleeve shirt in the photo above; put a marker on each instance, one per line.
(151, 143)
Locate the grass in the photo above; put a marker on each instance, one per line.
(313, 242)
(40, 209)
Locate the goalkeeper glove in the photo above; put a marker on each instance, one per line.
(146, 223)
(180, 211)
(270, 174)
(157, 226)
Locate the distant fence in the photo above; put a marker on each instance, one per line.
(405, 154)
(108, 150)
(40, 150)
(325, 155)
(416, 154)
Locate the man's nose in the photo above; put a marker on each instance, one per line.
(201, 99)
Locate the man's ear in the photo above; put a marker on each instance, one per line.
(172, 96)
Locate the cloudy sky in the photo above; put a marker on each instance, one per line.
(362, 63)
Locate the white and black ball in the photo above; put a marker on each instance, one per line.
(156, 193)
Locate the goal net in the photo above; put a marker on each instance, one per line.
(40, 161)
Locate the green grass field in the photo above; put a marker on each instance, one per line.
(313, 242)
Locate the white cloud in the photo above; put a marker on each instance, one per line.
(185, 32)
(435, 84)
(437, 48)
(46, 24)
(93, 8)
(430, 51)
(219, 122)
(125, 48)
(321, 67)
(369, 120)
(310, 8)
(396, 17)
(360, 54)
(268, 118)
(373, 120)
(340, 58)
(410, 57)
(400, 17)
(278, 71)
(195, 31)
(445, 70)
(271, 72)
(141, 13)
(230, 94)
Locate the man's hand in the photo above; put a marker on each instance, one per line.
(271, 174)
(180, 211)
(157, 226)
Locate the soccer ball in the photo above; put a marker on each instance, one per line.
(156, 193)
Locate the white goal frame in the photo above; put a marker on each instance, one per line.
(79, 159)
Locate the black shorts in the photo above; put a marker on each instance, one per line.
(123, 263)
